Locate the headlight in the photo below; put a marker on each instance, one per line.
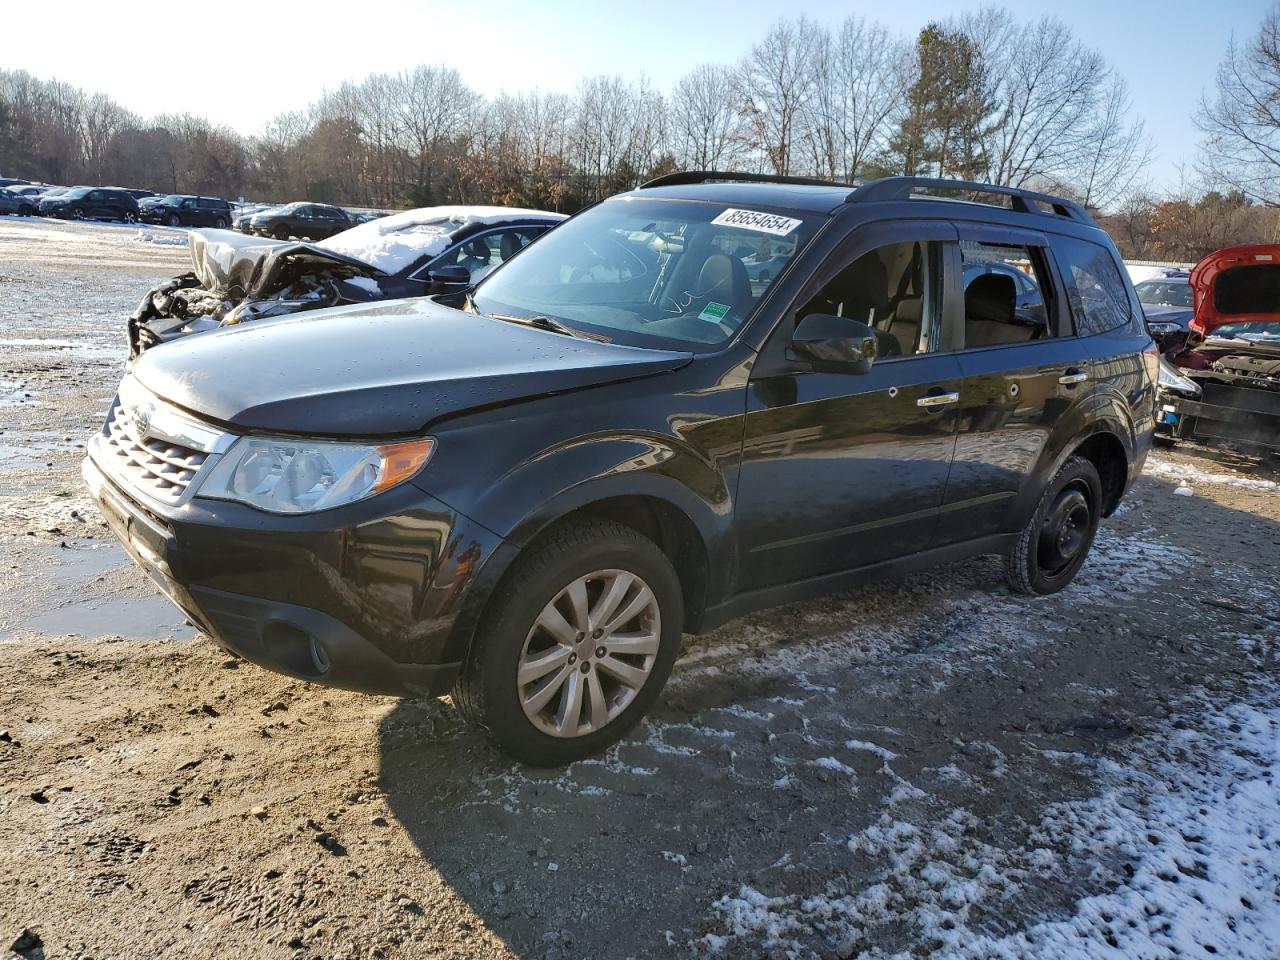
(280, 475)
(1171, 379)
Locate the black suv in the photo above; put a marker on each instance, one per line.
(306, 221)
(620, 436)
(91, 203)
(179, 210)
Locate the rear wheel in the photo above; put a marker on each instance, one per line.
(130, 217)
(1052, 547)
(220, 223)
(577, 645)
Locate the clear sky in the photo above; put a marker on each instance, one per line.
(247, 62)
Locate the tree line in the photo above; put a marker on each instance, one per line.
(982, 95)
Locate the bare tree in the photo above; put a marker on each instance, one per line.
(1241, 123)
(775, 80)
(706, 130)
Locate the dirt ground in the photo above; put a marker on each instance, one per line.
(930, 767)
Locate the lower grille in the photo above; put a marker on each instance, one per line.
(157, 467)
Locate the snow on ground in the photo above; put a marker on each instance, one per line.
(1190, 474)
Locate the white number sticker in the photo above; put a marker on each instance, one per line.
(755, 220)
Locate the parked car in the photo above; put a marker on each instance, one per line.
(13, 204)
(235, 279)
(1166, 302)
(91, 203)
(31, 191)
(182, 210)
(10, 181)
(527, 494)
(1220, 379)
(305, 221)
(136, 193)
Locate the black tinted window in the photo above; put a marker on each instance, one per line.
(1098, 295)
(1253, 289)
(1003, 294)
(892, 290)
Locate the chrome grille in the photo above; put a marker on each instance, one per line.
(157, 467)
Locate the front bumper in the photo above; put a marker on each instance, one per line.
(1223, 412)
(371, 597)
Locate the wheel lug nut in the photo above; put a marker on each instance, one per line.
(597, 634)
(573, 658)
(599, 651)
(586, 667)
(581, 636)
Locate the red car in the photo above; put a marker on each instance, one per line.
(1221, 381)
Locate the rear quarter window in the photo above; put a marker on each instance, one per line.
(1097, 291)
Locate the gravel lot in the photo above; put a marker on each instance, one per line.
(924, 768)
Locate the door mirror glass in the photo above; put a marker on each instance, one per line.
(838, 344)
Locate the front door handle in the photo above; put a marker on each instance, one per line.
(932, 400)
(1073, 376)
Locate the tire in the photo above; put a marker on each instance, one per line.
(1054, 544)
(220, 223)
(130, 217)
(489, 694)
(172, 220)
(281, 232)
(26, 211)
(77, 213)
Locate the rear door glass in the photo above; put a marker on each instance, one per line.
(1098, 295)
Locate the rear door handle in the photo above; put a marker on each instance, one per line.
(937, 400)
(1073, 376)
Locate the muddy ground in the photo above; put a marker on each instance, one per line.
(924, 768)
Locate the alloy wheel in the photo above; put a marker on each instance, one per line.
(589, 653)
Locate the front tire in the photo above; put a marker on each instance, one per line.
(576, 646)
(281, 233)
(172, 220)
(1055, 542)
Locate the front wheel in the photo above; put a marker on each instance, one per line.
(172, 220)
(576, 645)
(1052, 547)
(281, 233)
(77, 213)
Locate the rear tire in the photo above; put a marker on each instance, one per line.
(547, 695)
(220, 223)
(1055, 542)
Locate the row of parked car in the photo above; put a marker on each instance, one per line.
(307, 221)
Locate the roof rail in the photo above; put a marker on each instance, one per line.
(1023, 201)
(707, 176)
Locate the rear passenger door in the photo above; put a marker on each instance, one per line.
(841, 469)
(1021, 368)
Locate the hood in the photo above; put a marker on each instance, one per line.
(1236, 285)
(237, 266)
(381, 370)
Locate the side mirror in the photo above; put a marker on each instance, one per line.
(835, 344)
(449, 279)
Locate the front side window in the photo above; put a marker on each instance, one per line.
(1099, 298)
(651, 272)
(481, 255)
(893, 289)
(1004, 299)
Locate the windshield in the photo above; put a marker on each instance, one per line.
(647, 272)
(75, 193)
(1162, 293)
(1254, 330)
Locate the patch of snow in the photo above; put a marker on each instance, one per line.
(161, 239)
(393, 243)
(1188, 473)
(870, 747)
(831, 763)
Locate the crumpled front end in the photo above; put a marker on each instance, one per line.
(235, 278)
(1231, 396)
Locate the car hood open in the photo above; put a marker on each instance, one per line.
(1236, 285)
(386, 369)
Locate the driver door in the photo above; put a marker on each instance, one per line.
(842, 470)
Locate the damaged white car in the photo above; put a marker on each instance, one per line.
(236, 278)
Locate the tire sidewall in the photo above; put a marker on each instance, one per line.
(1075, 471)
(503, 638)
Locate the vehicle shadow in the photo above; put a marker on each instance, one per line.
(786, 733)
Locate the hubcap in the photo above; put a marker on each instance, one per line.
(589, 652)
(1064, 532)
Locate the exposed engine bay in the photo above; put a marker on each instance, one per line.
(235, 278)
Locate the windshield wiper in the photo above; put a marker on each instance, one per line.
(547, 323)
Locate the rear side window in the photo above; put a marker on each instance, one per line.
(1095, 288)
(1004, 294)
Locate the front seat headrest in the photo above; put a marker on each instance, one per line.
(724, 279)
(990, 297)
(509, 245)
